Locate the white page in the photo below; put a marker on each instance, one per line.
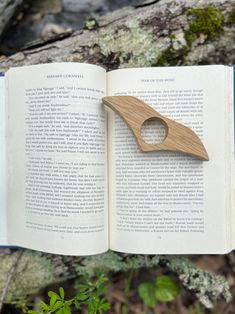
(230, 140)
(57, 159)
(3, 222)
(167, 202)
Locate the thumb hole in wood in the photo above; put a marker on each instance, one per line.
(153, 131)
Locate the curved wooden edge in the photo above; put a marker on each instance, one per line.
(135, 113)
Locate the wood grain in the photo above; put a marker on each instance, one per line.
(135, 113)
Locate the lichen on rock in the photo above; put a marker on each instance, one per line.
(207, 286)
(135, 46)
(231, 18)
(32, 273)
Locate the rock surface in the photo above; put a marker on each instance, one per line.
(7, 10)
(147, 36)
(39, 17)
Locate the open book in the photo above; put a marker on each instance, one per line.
(73, 180)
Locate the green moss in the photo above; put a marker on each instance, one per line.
(175, 54)
(208, 21)
(91, 24)
(134, 46)
(172, 57)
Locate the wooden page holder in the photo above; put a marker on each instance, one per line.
(135, 113)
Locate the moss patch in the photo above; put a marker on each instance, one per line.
(134, 46)
(208, 21)
(176, 52)
(172, 57)
(91, 24)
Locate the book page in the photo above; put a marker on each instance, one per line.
(231, 139)
(3, 221)
(57, 159)
(166, 202)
